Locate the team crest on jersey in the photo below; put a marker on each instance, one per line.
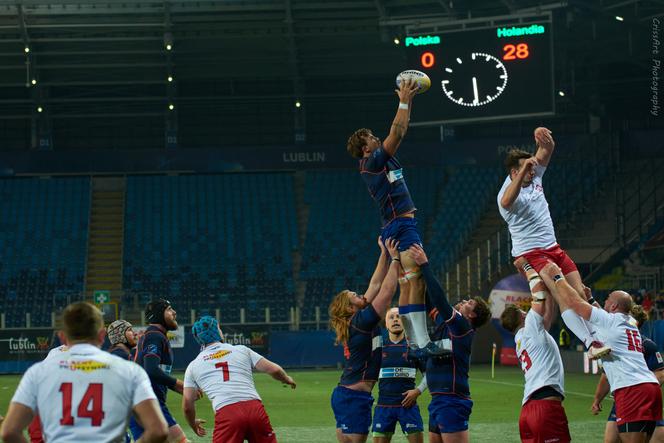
(216, 355)
(84, 366)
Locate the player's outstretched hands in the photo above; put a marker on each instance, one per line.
(596, 407)
(543, 137)
(392, 247)
(530, 163)
(410, 397)
(290, 382)
(418, 254)
(198, 427)
(407, 90)
(381, 245)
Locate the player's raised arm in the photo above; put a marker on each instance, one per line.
(545, 146)
(378, 275)
(389, 286)
(566, 296)
(514, 188)
(407, 90)
(153, 422)
(275, 371)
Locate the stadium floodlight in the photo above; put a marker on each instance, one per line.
(171, 106)
(170, 78)
(168, 41)
(619, 18)
(39, 109)
(298, 104)
(27, 49)
(34, 82)
(561, 93)
(396, 40)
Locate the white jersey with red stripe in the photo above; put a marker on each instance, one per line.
(224, 373)
(86, 395)
(539, 356)
(625, 366)
(528, 218)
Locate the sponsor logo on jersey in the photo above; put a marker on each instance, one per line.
(84, 366)
(659, 357)
(217, 355)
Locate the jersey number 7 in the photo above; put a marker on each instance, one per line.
(94, 394)
(224, 368)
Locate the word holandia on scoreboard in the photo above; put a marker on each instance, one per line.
(484, 74)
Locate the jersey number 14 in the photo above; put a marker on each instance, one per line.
(91, 405)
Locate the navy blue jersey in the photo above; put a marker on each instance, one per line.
(384, 178)
(397, 372)
(362, 351)
(449, 375)
(120, 351)
(652, 355)
(155, 342)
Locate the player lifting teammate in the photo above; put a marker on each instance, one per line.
(383, 175)
(87, 394)
(522, 204)
(636, 391)
(355, 320)
(447, 375)
(543, 417)
(224, 373)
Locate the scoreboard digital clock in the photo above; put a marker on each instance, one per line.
(492, 73)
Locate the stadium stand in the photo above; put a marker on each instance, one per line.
(43, 243)
(212, 241)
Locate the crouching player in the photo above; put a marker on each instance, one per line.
(543, 417)
(397, 394)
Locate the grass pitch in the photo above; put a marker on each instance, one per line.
(304, 415)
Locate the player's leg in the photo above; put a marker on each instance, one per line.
(258, 429)
(352, 412)
(452, 414)
(411, 423)
(176, 435)
(456, 437)
(658, 435)
(416, 308)
(435, 437)
(611, 432)
(384, 424)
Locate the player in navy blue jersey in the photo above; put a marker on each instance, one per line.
(154, 353)
(356, 321)
(397, 394)
(655, 363)
(122, 337)
(447, 376)
(383, 175)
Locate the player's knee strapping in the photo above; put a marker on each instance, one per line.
(537, 286)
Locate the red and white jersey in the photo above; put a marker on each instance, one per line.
(58, 352)
(625, 366)
(528, 218)
(224, 373)
(539, 356)
(87, 395)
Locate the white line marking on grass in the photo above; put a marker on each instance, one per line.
(520, 385)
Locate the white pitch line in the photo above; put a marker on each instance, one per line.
(505, 383)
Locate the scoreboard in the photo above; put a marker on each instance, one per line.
(492, 73)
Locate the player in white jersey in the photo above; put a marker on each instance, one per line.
(522, 204)
(543, 417)
(635, 389)
(87, 394)
(224, 373)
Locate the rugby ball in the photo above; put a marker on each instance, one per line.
(423, 80)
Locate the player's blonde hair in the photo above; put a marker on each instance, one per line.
(639, 314)
(340, 313)
(82, 321)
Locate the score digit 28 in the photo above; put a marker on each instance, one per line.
(519, 51)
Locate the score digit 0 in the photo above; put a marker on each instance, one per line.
(513, 52)
(427, 60)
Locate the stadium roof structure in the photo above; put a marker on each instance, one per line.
(89, 70)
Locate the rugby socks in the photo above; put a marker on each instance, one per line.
(579, 327)
(407, 322)
(418, 316)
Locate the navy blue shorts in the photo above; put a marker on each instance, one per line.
(449, 413)
(403, 229)
(612, 416)
(352, 410)
(137, 430)
(386, 418)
